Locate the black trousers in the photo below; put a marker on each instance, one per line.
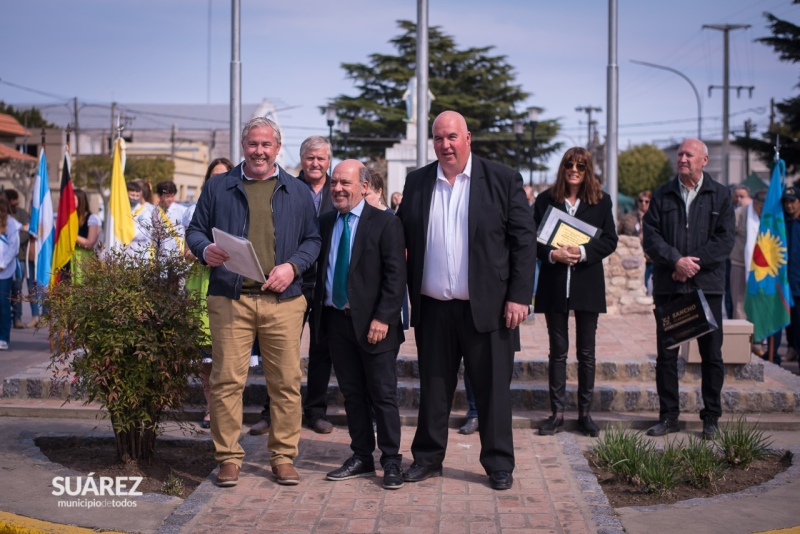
(363, 376)
(585, 330)
(318, 375)
(444, 335)
(711, 368)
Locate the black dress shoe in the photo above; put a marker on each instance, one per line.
(392, 476)
(710, 427)
(501, 480)
(552, 426)
(352, 468)
(469, 427)
(588, 427)
(664, 427)
(418, 473)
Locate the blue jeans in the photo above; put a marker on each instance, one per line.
(16, 312)
(472, 412)
(6, 286)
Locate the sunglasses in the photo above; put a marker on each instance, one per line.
(580, 166)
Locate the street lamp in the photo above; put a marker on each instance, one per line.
(344, 127)
(533, 121)
(330, 114)
(519, 130)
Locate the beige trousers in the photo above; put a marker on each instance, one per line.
(234, 326)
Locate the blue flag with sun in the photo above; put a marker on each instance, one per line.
(768, 299)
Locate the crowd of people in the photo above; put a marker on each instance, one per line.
(457, 249)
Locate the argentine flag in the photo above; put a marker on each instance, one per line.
(41, 225)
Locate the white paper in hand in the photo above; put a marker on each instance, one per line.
(243, 259)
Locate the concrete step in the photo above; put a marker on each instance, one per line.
(619, 386)
(605, 371)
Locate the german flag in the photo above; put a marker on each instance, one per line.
(66, 223)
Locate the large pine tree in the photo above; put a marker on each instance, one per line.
(472, 81)
(785, 41)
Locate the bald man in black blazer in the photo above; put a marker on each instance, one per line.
(471, 258)
(363, 324)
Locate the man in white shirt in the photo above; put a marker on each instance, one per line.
(142, 214)
(168, 218)
(471, 246)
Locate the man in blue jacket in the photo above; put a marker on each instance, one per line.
(259, 201)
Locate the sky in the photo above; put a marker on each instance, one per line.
(147, 51)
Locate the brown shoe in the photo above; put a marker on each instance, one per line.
(260, 428)
(320, 425)
(286, 475)
(18, 325)
(34, 322)
(228, 475)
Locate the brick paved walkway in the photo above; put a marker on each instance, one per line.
(546, 497)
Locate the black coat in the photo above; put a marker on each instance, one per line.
(502, 239)
(376, 281)
(708, 234)
(587, 282)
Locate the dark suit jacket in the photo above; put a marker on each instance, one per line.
(377, 278)
(587, 282)
(502, 239)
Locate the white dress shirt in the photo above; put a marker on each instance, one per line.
(445, 275)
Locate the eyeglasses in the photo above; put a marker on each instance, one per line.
(644, 201)
(580, 166)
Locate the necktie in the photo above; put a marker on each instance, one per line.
(342, 266)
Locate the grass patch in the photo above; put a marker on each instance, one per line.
(740, 445)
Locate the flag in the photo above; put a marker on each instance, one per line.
(768, 299)
(119, 224)
(66, 232)
(41, 225)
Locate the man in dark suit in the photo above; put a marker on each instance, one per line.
(358, 294)
(471, 256)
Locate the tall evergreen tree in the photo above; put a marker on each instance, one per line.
(472, 81)
(785, 41)
(30, 118)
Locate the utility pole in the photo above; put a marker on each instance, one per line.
(172, 139)
(748, 128)
(588, 110)
(725, 29)
(114, 124)
(422, 83)
(77, 130)
(612, 105)
(236, 82)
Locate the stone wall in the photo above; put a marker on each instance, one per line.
(624, 269)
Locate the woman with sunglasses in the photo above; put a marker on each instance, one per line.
(572, 279)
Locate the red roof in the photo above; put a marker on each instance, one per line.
(11, 126)
(7, 152)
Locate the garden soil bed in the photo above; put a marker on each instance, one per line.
(621, 494)
(191, 460)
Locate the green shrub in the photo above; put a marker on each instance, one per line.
(621, 451)
(702, 466)
(739, 445)
(659, 471)
(128, 334)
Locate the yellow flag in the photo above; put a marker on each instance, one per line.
(120, 223)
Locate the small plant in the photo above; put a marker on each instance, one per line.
(659, 471)
(621, 451)
(739, 445)
(702, 466)
(173, 486)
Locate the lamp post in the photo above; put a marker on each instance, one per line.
(344, 127)
(533, 121)
(519, 130)
(330, 114)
